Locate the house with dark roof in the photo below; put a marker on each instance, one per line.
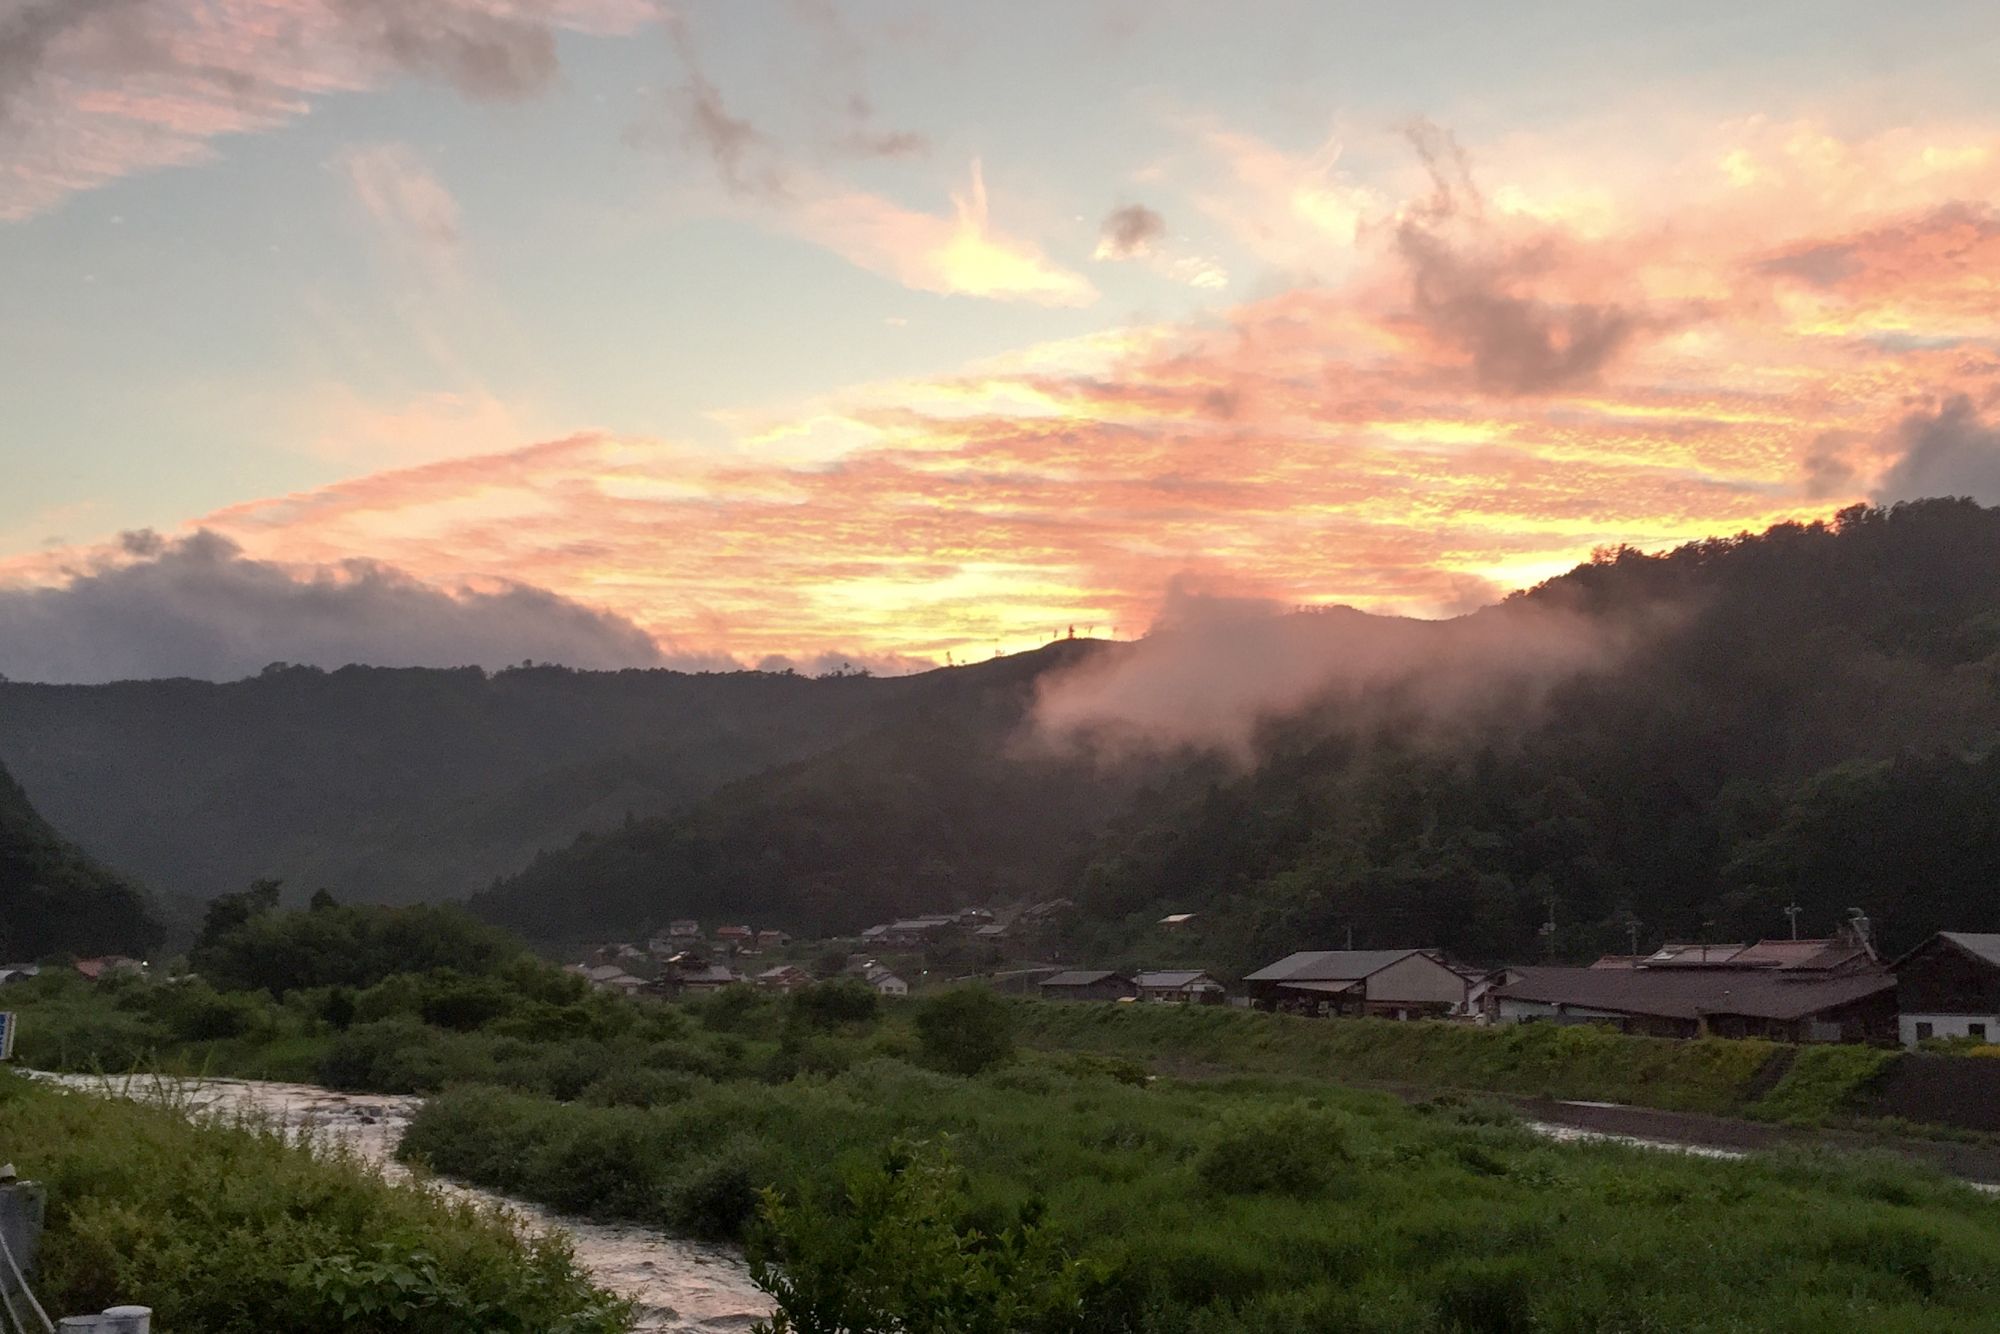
(1388, 984)
(1098, 984)
(1785, 1005)
(1949, 987)
(1179, 987)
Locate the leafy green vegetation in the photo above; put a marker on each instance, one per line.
(1824, 1084)
(1258, 1204)
(1542, 1060)
(229, 1229)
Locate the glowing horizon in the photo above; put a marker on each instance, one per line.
(909, 397)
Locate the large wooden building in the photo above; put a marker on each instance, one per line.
(1949, 987)
(1388, 984)
(1782, 1005)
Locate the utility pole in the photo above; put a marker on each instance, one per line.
(1632, 933)
(1548, 932)
(1793, 913)
(1350, 935)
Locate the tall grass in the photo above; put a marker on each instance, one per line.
(1272, 1204)
(230, 1229)
(1708, 1075)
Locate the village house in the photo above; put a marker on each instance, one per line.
(610, 977)
(1099, 984)
(1179, 987)
(772, 940)
(734, 937)
(785, 977)
(702, 980)
(110, 965)
(18, 972)
(1386, 984)
(1949, 987)
(885, 982)
(1779, 1004)
(1174, 921)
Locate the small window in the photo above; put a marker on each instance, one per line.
(1923, 1031)
(1976, 1031)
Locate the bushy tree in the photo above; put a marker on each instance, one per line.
(892, 1250)
(965, 1030)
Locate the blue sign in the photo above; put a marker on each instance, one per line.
(6, 1035)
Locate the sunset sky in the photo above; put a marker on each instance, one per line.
(861, 330)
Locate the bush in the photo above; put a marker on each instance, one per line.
(1294, 1150)
(829, 1005)
(965, 1030)
(640, 1087)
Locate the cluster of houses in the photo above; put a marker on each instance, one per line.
(684, 961)
(1835, 989)
(108, 965)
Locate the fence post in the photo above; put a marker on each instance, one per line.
(21, 1206)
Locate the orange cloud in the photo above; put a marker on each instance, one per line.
(963, 254)
(1341, 443)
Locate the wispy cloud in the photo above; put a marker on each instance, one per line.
(1334, 441)
(94, 90)
(962, 253)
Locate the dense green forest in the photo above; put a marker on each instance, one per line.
(1810, 717)
(1815, 724)
(54, 899)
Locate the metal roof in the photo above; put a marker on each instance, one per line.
(1329, 965)
(1689, 993)
(1986, 947)
(1082, 977)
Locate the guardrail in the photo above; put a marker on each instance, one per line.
(21, 1210)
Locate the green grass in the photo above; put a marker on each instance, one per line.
(231, 1230)
(1708, 1075)
(1824, 1084)
(1278, 1204)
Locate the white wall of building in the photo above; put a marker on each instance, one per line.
(1947, 1026)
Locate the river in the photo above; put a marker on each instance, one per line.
(678, 1287)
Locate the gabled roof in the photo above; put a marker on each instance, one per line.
(1081, 977)
(1330, 965)
(1986, 947)
(1175, 978)
(1689, 993)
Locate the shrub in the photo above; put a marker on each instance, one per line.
(639, 1087)
(828, 1005)
(1487, 1296)
(1294, 1150)
(965, 1030)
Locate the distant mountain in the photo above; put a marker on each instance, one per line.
(938, 808)
(53, 899)
(1654, 745)
(401, 785)
(1651, 745)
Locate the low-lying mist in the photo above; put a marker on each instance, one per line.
(1213, 672)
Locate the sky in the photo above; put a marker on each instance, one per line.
(810, 332)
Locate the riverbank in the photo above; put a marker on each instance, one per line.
(671, 1286)
(234, 1229)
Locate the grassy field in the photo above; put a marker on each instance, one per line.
(1279, 1204)
(230, 1230)
(1538, 1060)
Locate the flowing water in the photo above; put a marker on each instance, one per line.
(678, 1287)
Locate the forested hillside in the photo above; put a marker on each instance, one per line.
(53, 898)
(1809, 717)
(399, 785)
(941, 808)
(1815, 723)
